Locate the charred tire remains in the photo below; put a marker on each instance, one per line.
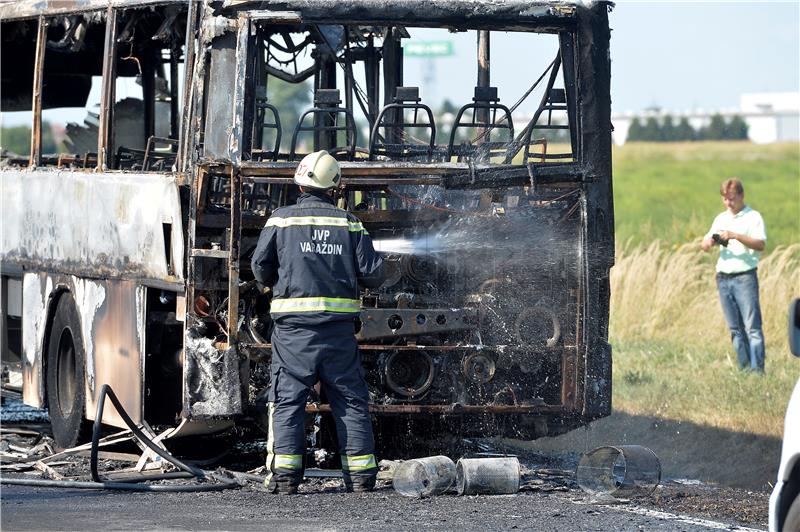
(66, 360)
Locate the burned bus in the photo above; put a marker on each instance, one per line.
(127, 234)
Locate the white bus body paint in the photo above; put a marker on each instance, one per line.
(89, 296)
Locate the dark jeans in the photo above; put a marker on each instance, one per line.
(739, 297)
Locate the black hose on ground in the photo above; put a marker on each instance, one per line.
(130, 484)
(123, 486)
(106, 391)
(144, 477)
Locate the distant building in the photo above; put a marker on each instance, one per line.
(770, 117)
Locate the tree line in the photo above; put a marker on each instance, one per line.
(16, 140)
(667, 130)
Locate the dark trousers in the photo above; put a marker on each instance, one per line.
(301, 356)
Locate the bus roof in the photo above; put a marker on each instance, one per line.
(21, 9)
(466, 14)
(460, 14)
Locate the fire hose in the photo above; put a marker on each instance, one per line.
(131, 484)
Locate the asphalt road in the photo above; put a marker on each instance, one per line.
(550, 501)
(325, 507)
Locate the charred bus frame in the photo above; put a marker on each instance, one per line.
(167, 312)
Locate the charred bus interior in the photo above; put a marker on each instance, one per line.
(495, 217)
(485, 323)
(144, 69)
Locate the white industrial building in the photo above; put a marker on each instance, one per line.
(770, 117)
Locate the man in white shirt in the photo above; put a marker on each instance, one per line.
(739, 232)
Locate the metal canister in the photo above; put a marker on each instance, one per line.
(424, 477)
(487, 476)
(620, 471)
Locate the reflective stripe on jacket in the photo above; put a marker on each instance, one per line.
(315, 255)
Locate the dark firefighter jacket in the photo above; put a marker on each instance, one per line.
(315, 255)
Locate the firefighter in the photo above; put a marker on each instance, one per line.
(315, 255)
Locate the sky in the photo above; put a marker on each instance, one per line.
(674, 55)
(702, 55)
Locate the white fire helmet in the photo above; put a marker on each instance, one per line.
(318, 170)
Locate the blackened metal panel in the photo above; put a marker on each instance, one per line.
(569, 71)
(484, 76)
(174, 102)
(594, 77)
(392, 78)
(372, 74)
(456, 13)
(219, 108)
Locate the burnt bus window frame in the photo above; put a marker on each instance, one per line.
(564, 172)
(19, 49)
(36, 103)
(105, 160)
(148, 56)
(566, 66)
(39, 73)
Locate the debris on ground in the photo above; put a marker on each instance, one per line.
(27, 450)
(33, 453)
(622, 471)
(710, 500)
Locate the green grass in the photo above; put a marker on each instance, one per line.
(670, 191)
(702, 385)
(672, 352)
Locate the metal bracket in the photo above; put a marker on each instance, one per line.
(389, 323)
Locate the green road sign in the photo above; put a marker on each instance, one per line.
(428, 49)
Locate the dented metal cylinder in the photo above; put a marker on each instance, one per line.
(620, 471)
(488, 476)
(424, 477)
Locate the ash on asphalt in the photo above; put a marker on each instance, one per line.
(548, 494)
(14, 411)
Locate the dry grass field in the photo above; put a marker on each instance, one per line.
(672, 352)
